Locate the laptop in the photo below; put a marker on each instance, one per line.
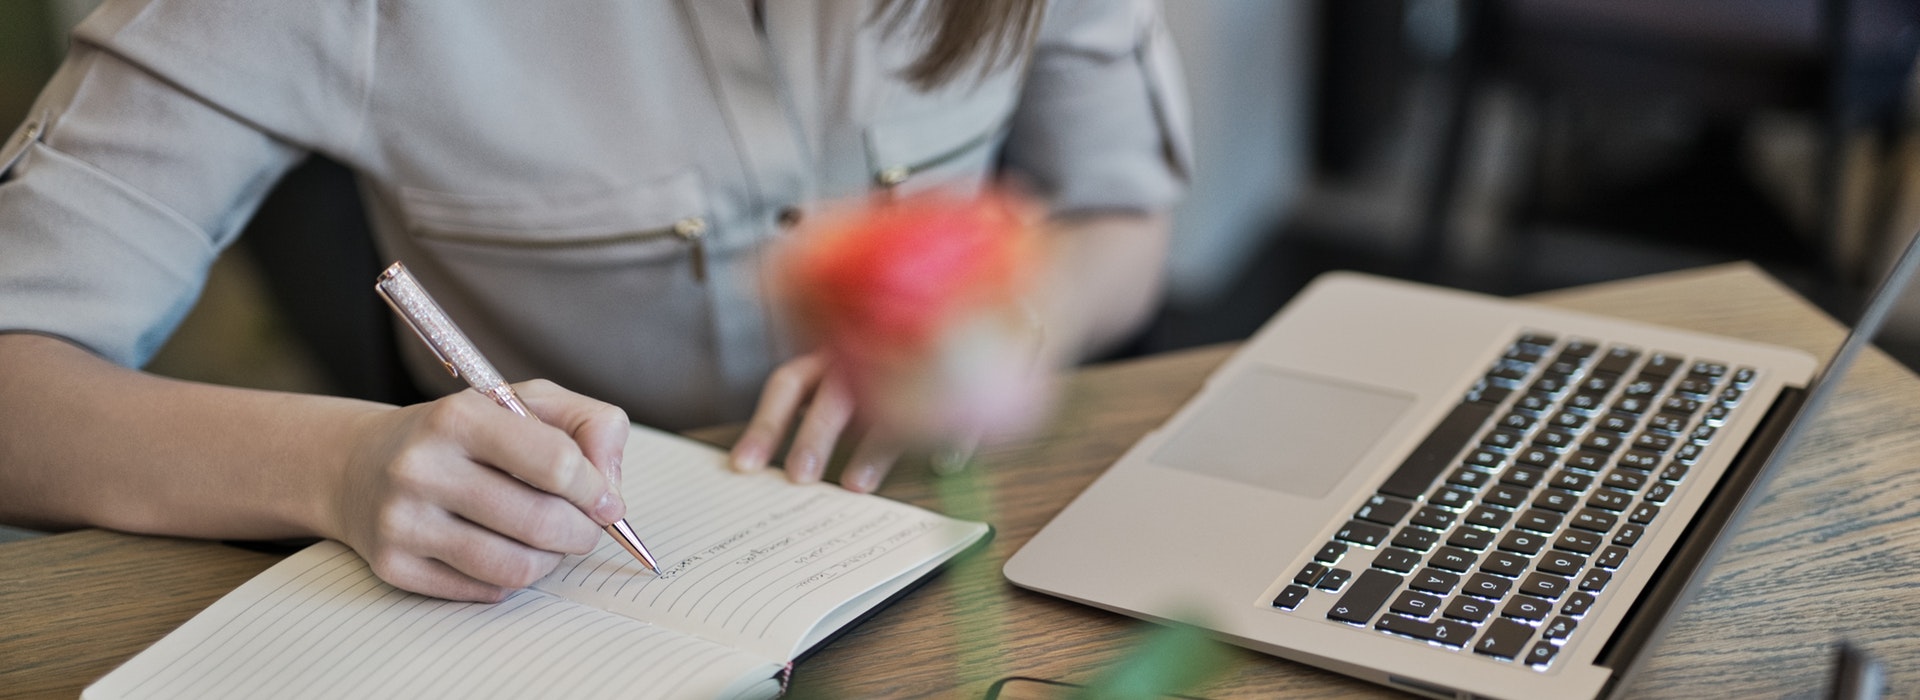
(1450, 494)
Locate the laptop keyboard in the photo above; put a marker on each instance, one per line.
(1502, 528)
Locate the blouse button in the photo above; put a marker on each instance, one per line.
(788, 217)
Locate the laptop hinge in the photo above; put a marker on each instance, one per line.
(1679, 576)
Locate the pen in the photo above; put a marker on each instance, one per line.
(457, 354)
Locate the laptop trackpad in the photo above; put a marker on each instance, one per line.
(1290, 432)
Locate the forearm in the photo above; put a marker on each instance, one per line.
(1103, 281)
(89, 443)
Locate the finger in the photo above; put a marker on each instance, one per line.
(497, 502)
(871, 461)
(529, 450)
(600, 428)
(429, 577)
(827, 417)
(787, 388)
(484, 555)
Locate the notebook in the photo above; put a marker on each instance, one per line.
(755, 572)
(1450, 494)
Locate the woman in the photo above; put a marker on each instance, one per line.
(585, 185)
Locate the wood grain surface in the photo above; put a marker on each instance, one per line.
(1828, 554)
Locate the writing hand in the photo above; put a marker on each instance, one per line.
(459, 498)
(808, 383)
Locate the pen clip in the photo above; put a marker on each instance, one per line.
(391, 276)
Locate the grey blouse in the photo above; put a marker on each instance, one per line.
(583, 183)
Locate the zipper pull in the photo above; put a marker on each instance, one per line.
(693, 230)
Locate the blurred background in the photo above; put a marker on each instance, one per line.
(1502, 146)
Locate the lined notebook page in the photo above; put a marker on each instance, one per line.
(749, 560)
(321, 625)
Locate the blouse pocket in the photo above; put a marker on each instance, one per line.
(952, 147)
(651, 223)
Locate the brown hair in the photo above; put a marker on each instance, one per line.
(989, 33)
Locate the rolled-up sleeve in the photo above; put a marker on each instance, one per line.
(1102, 122)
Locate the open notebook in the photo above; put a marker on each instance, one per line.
(755, 572)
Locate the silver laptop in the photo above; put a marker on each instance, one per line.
(1450, 494)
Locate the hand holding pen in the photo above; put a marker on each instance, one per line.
(460, 499)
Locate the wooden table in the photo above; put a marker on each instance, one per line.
(1832, 552)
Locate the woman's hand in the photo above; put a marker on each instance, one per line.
(808, 384)
(460, 498)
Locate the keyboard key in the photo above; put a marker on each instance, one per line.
(1416, 604)
(1611, 557)
(1569, 420)
(1577, 604)
(1486, 459)
(1627, 535)
(1453, 559)
(1617, 423)
(1667, 422)
(1470, 478)
(1593, 519)
(1504, 638)
(1446, 632)
(1503, 439)
(1523, 476)
(1523, 542)
(1617, 359)
(1472, 538)
(1504, 563)
(1435, 453)
(1527, 607)
(1517, 421)
(1659, 492)
(1631, 405)
(1368, 593)
(1609, 499)
(1434, 517)
(1653, 442)
(1489, 517)
(1643, 386)
(1693, 387)
(1362, 533)
(1435, 581)
(1662, 364)
(1544, 522)
(1415, 539)
(1560, 628)
(1396, 560)
(1687, 453)
(1587, 401)
(1679, 405)
(1571, 480)
(1709, 368)
(1310, 574)
(1290, 597)
(1625, 480)
(1384, 509)
(1541, 654)
(1640, 459)
(1674, 472)
(1473, 610)
(1556, 500)
(1535, 401)
(1702, 433)
(1603, 442)
(1506, 495)
(1488, 395)
(1643, 514)
(1334, 579)
(1487, 586)
(1588, 460)
(1452, 497)
(1577, 541)
(1546, 586)
(1715, 415)
(1579, 349)
(1330, 553)
(1595, 580)
(1555, 439)
(1561, 563)
(1600, 382)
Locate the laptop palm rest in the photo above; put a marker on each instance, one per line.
(1291, 432)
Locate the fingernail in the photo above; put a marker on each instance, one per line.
(748, 459)
(608, 509)
(614, 471)
(860, 479)
(806, 470)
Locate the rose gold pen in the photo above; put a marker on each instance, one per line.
(458, 355)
